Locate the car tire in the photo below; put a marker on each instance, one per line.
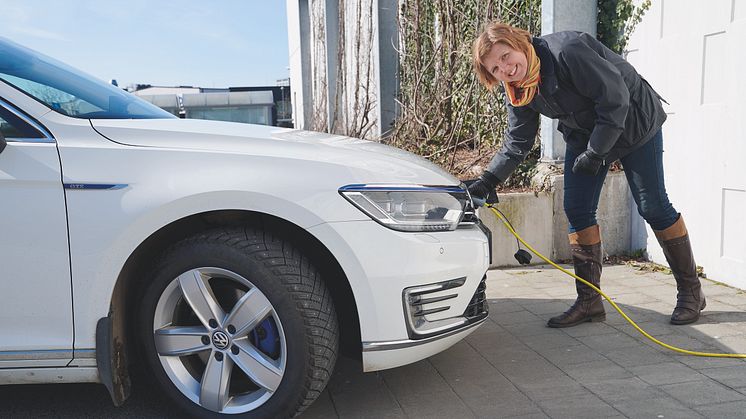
(261, 367)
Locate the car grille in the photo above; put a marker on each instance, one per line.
(478, 306)
(434, 298)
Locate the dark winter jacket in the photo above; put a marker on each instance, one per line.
(600, 101)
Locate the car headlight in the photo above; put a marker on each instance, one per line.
(410, 207)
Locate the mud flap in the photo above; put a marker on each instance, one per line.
(111, 362)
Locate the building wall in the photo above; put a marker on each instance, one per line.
(692, 53)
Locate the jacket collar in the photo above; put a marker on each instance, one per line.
(549, 84)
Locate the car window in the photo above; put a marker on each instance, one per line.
(14, 127)
(68, 91)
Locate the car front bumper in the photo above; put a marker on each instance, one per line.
(416, 293)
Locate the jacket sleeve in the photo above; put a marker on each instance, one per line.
(523, 124)
(599, 80)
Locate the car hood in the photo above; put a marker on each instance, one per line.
(368, 161)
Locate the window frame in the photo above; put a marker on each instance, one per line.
(45, 136)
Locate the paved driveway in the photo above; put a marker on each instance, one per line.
(514, 366)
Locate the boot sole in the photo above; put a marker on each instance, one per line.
(593, 319)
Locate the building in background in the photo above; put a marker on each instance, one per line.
(692, 53)
(264, 105)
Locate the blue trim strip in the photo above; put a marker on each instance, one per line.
(360, 187)
(95, 186)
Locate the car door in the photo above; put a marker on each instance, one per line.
(36, 325)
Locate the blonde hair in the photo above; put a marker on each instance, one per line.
(493, 33)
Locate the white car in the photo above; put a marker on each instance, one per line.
(230, 263)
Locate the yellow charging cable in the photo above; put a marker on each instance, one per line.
(613, 304)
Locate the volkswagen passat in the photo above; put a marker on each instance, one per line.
(229, 263)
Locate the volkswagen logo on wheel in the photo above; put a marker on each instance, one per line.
(220, 340)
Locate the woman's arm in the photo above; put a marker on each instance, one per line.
(523, 124)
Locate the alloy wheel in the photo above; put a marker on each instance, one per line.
(220, 340)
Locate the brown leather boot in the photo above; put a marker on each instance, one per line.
(690, 299)
(587, 258)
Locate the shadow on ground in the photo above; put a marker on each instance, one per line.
(513, 366)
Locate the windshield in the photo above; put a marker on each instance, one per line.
(67, 90)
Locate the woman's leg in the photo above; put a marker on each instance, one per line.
(644, 171)
(581, 200)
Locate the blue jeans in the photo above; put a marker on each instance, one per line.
(644, 170)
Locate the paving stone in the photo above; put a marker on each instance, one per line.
(489, 402)
(516, 367)
(323, 408)
(659, 311)
(489, 327)
(635, 356)
(502, 305)
(608, 342)
(712, 288)
(529, 416)
(445, 405)
(596, 371)
(624, 389)
(733, 377)
(629, 298)
(527, 291)
(708, 328)
(551, 388)
(661, 292)
(698, 362)
(724, 315)
(681, 340)
(664, 407)
(732, 344)
(538, 327)
(666, 373)
(532, 371)
(732, 410)
(590, 329)
(463, 367)
(418, 379)
(553, 338)
(515, 318)
(358, 394)
(496, 346)
(552, 307)
(703, 392)
(583, 406)
(567, 356)
(566, 292)
(656, 329)
(734, 298)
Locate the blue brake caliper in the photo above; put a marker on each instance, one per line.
(267, 340)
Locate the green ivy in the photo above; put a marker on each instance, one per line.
(617, 20)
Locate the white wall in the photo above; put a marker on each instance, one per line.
(692, 52)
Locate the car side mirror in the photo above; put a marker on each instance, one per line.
(3, 143)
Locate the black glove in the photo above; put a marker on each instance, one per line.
(482, 189)
(588, 163)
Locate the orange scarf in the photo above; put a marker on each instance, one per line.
(522, 92)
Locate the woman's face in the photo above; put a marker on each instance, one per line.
(505, 63)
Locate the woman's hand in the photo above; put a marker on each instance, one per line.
(588, 163)
(482, 189)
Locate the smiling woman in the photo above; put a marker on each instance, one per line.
(605, 111)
